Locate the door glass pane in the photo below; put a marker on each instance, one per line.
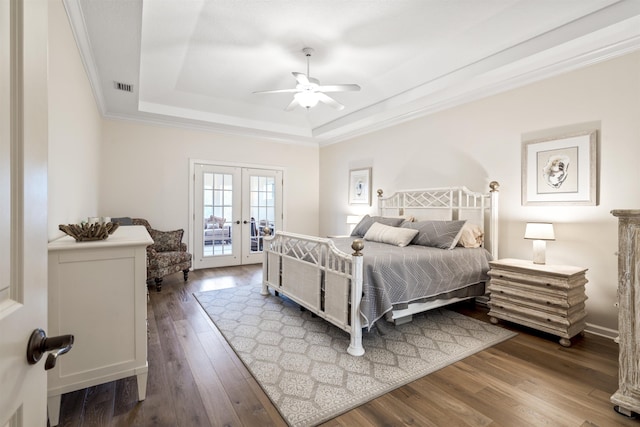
(262, 209)
(217, 213)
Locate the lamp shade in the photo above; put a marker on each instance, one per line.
(539, 231)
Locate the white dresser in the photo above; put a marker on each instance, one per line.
(627, 398)
(97, 292)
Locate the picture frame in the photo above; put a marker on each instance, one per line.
(360, 186)
(560, 170)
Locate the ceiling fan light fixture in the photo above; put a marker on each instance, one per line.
(308, 91)
(306, 99)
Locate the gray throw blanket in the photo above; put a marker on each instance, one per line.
(394, 276)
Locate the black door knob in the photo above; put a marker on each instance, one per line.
(39, 344)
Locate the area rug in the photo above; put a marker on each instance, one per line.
(302, 364)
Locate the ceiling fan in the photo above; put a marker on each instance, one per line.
(308, 92)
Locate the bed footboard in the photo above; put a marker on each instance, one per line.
(312, 272)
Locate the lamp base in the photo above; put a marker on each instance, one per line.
(539, 249)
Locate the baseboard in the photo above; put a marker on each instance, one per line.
(601, 331)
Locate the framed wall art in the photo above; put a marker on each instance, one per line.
(561, 170)
(360, 186)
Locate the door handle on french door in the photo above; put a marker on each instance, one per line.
(238, 222)
(39, 344)
(245, 222)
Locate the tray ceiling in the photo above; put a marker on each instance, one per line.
(197, 63)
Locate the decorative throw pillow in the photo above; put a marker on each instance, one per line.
(438, 234)
(167, 241)
(219, 220)
(392, 235)
(361, 228)
(125, 220)
(471, 236)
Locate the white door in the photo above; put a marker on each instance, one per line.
(262, 207)
(23, 208)
(233, 206)
(217, 216)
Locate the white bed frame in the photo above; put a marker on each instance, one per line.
(312, 272)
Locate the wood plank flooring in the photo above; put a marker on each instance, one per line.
(195, 379)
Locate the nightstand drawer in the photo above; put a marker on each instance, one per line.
(562, 328)
(532, 296)
(529, 312)
(535, 310)
(541, 282)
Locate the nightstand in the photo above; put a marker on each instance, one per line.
(546, 297)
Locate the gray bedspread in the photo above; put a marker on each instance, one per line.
(394, 276)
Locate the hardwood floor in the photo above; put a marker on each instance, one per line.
(195, 379)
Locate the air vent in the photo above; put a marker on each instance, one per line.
(123, 86)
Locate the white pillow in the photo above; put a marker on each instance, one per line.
(471, 236)
(392, 235)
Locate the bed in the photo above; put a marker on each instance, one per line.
(354, 282)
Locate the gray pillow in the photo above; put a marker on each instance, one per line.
(438, 234)
(367, 221)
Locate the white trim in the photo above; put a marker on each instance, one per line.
(81, 36)
(601, 331)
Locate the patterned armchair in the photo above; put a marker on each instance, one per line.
(167, 255)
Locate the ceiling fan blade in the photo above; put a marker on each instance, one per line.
(277, 91)
(329, 101)
(339, 88)
(301, 78)
(292, 105)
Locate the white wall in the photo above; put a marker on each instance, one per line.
(478, 142)
(145, 172)
(74, 130)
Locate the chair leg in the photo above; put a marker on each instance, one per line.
(158, 284)
(186, 274)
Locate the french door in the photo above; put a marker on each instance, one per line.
(233, 207)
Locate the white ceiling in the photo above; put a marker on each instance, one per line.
(197, 63)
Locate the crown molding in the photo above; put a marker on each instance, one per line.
(81, 36)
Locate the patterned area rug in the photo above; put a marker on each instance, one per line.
(302, 364)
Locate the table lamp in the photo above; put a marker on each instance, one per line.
(539, 232)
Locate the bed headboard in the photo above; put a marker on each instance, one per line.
(448, 203)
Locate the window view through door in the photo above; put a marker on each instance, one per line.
(262, 208)
(217, 207)
(233, 208)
